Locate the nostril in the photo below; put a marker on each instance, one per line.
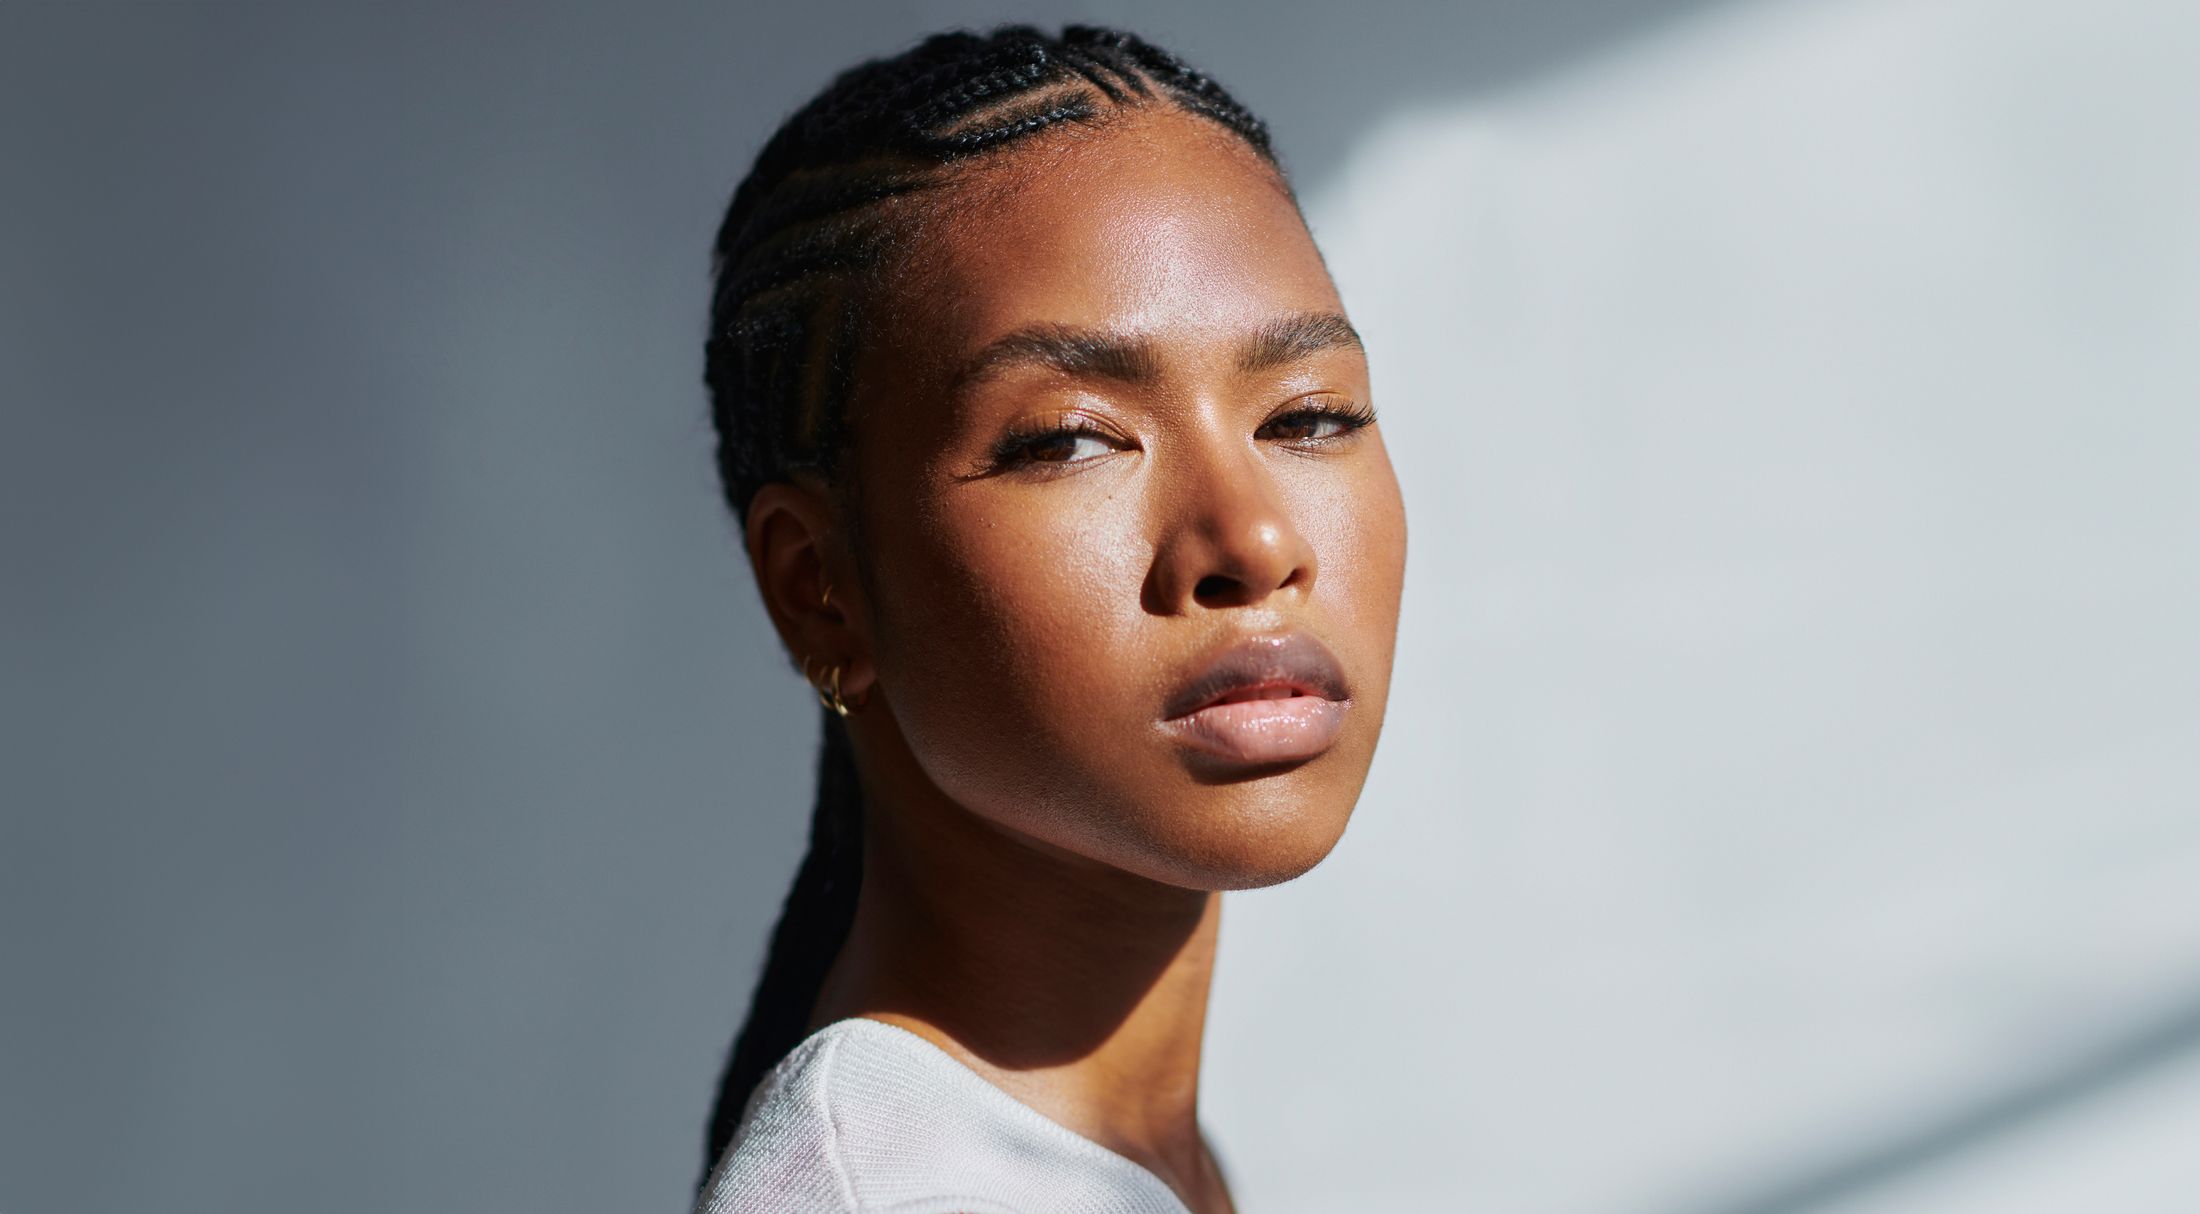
(1214, 586)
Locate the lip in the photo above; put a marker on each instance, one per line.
(1272, 698)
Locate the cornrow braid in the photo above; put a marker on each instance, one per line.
(794, 265)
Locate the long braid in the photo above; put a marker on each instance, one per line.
(794, 262)
(820, 907)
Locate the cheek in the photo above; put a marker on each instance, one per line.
(1026, 674)
(1013, 610)
(1356, 526)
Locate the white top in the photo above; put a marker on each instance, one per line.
(866, 1116)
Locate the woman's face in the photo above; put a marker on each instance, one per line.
(1133, 557)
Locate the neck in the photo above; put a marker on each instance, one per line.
(1079, 989)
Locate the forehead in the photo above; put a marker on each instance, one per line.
(1159, 223)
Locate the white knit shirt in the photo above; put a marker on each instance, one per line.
(866, 1116)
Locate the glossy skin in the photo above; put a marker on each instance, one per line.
(1042, 851)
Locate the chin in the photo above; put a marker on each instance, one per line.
(1247, 835)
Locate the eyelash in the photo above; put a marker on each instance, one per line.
(1014, 450)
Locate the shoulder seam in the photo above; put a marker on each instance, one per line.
(832, 1122)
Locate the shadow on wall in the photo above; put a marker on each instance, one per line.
(2065, 1089)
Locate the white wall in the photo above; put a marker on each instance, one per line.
(1791, 791)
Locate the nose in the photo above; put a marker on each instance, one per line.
(1228, 540)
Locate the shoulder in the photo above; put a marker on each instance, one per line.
(861, 1116)
(785, 1154)
(866, 1116)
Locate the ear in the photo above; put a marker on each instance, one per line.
(795, 551)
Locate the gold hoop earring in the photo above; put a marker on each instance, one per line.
(829, 695)
(828, 689)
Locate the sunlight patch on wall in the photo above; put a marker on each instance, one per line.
(1793, 739)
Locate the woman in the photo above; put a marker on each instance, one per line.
(1059, 479)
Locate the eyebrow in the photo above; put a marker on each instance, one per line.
(1134, 360)
(1069, 350)
(1291, 338)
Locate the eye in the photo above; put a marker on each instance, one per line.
(1064, 447)
(1316, 422)
(1055, 444)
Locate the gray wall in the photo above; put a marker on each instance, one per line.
(399, 775)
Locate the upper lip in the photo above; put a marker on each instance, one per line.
(1296, 660)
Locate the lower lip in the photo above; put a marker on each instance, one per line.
(1264, 731)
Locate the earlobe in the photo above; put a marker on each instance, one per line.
(846, 686)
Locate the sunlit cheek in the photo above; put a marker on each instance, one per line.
(1358, 536)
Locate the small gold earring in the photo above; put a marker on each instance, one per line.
(829, 695)
(826, 599)
(828, 688)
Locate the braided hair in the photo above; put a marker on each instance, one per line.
(836, 191)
